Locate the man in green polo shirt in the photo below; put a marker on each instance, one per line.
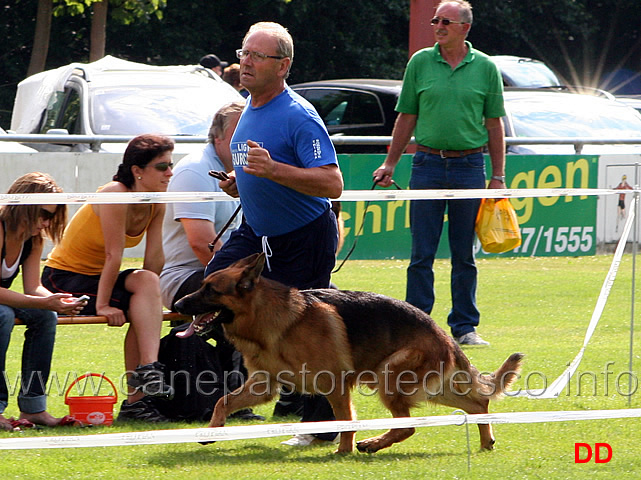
(452, 101)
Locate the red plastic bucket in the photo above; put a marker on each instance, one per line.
(98, 410)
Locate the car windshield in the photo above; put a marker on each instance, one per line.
(180, 110)
(576, 116)
(527, 73)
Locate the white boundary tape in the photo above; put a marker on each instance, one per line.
(274, 430)
(348, 195)
(157, 437)
(557, 386)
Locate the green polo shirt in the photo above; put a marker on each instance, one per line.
(451, 105)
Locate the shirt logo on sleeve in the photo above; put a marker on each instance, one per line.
(316, 145)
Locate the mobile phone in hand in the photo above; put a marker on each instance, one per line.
(219, 175)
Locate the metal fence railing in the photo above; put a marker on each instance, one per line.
(94, 141)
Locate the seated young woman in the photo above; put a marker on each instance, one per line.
(88, 259)
(22, 231)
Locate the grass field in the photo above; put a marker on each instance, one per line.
(539, 306)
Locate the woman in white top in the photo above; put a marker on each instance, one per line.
(22, 228)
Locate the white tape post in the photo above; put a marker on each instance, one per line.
(244, 432)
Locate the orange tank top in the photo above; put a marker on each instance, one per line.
(82, 248)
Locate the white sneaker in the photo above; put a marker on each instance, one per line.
(471, 338)
(305, 440)
(301, 440)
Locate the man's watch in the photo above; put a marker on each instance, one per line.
(500, 178)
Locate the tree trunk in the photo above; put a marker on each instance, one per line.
(41, 37)
(98, 30)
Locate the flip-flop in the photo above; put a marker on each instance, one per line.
(66, 421)
(21, 423)
(69, 421)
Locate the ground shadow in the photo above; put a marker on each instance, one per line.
(247, 454)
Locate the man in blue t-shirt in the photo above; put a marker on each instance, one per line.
(285, 171)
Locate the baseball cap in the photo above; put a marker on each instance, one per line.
(212, 61)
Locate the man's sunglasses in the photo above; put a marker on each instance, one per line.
(444, 21)
(163, 166)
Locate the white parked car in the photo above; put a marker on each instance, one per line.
(633, 101)
(117, 97)
(554, 114)
(13, 147)
(525, 72)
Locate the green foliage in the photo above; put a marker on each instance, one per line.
(128, 11)
(125, 12)
(70, 7)
(584, 41)
(16, 30)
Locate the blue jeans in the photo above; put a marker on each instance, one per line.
(37, 351)
(430, 171)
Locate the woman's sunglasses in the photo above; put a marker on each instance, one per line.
(46, 214)
(163, 166)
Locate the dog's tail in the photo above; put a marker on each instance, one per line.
(499, 382)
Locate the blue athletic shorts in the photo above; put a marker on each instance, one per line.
(303, 258)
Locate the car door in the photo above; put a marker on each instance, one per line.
(347, 111)
(64, 115)
(63, 112)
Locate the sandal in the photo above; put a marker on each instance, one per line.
(21, 423)
(69, 421)
(66, 421)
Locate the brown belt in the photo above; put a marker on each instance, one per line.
(448, 153)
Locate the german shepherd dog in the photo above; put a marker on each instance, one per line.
(327, 341)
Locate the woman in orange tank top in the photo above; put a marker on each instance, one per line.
(88, 259)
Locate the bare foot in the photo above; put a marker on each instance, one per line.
(41, 418)
(6, 424)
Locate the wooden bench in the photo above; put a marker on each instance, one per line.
(96, 319)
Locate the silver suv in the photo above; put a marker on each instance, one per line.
(117, 97)
(525, 72)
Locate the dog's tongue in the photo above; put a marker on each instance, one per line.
(187, 333)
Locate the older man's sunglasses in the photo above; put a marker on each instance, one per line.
(444, 21)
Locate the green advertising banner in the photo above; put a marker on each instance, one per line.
(550, 226)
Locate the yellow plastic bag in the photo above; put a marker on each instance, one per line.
(497, 226)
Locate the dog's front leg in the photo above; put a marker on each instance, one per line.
(343, 410)
(250, 394)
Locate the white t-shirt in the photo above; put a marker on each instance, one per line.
(191, 175)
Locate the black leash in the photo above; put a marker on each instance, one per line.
(222, 230)
(357, 234)
(222, 176)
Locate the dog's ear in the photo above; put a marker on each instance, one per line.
(249, 261)
(252, 271)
